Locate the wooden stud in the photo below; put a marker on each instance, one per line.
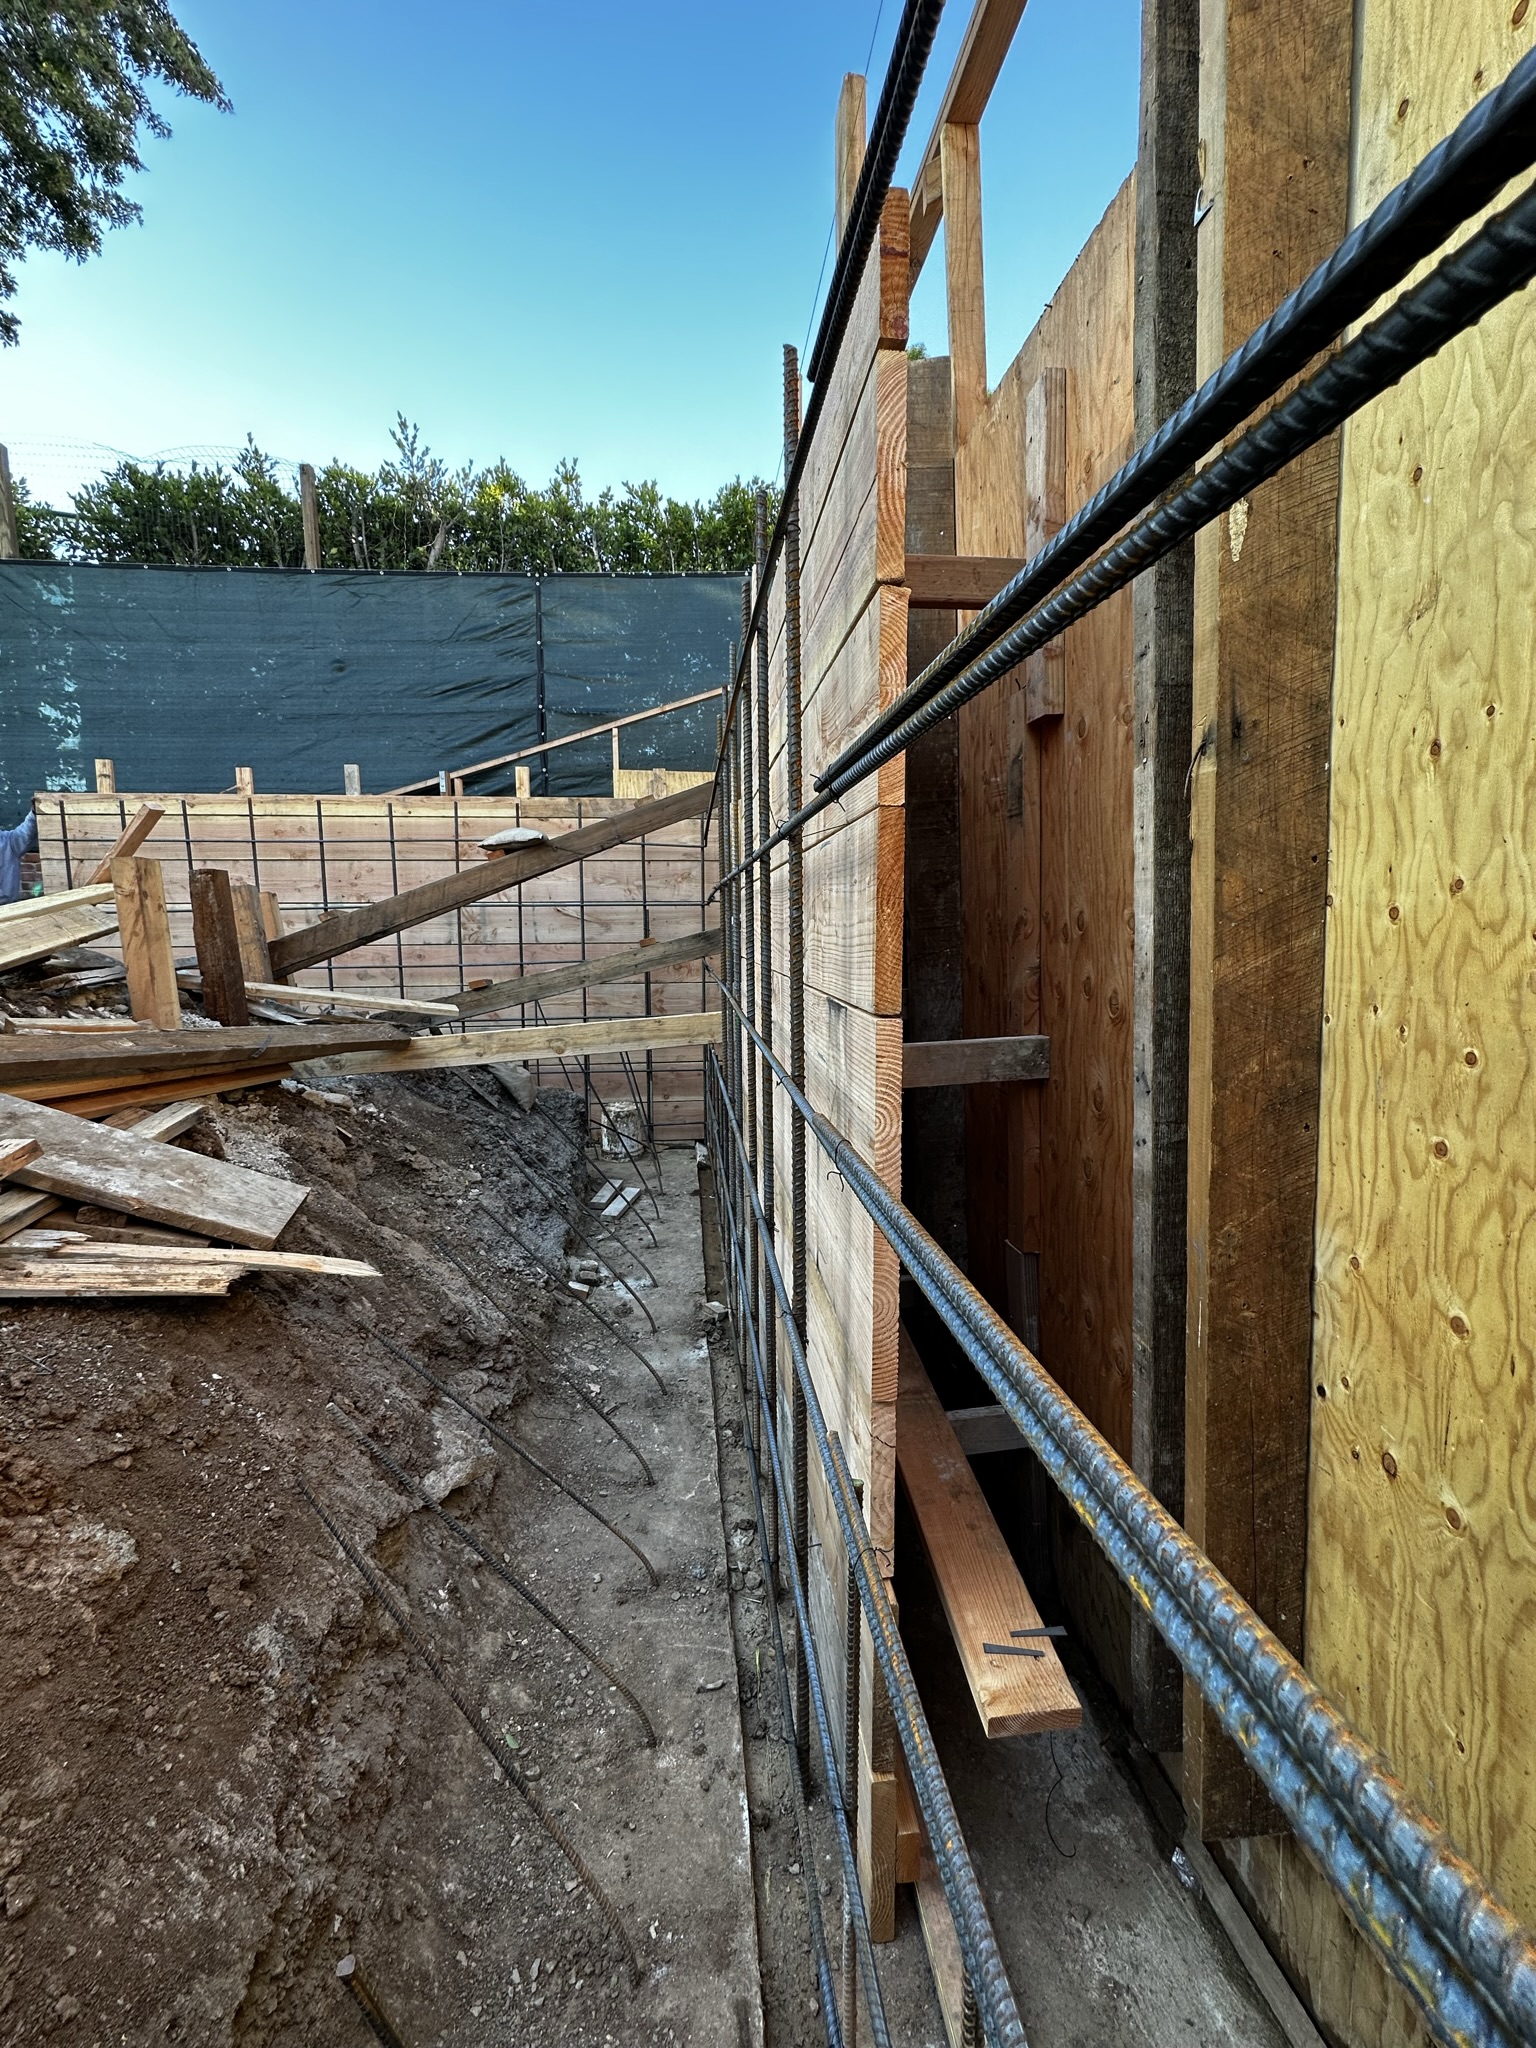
(851, 141)
(106, 776)
(250, 932)
(245, 782)
(614, 738)
(130, 839)
(10, 544)
(217, 939)
(310, 509)
(1275, 123)
(986, 42)
(351, 779)
(522, 783)
(960, 161)
(145, 930)
(1045, 513)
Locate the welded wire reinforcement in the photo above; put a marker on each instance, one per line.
(1429, 1915)
(973, 1927)
(768, 1436)
(518, 1450)
(389, 1600)
(508, 1577)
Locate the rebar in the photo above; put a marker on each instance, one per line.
(350, 1976)
(521, 1450)
(472, 1542)
(562, 1291)
(502, 1758)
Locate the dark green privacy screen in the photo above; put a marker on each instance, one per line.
(181, 674)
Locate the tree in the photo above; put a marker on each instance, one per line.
(72, 101)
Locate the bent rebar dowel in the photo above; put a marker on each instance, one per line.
(1430, 1916)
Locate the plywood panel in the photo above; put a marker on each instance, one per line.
(1421, 1521)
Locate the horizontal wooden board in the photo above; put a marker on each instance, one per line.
(968, 1062)
(484, 1048)
(106, 1056)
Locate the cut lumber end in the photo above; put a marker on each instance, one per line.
(16, 1153)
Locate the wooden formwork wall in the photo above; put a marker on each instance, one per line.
(330, 852)
(854, 649)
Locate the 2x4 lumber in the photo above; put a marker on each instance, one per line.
(13, 915)
(1045, 513)
(949, 583)
(46, 931)
(148, 957)
(93, 1103)
(343, 930)
(129, 1054)
(559, 981)
(106, 775)
(983, 1597)
(347, 999)
(969, 1062)
(16, 1153)
(1163, 606)
(1275, 83)
(598, 1035)
(214, 934)
(309, 509)
(75, 1245)
(129, 840)
(946, 1965)
(850, 141)
(89, 1162)
(250, 932)
(988, 36)
(964, 280)
(47, 1279)
(569, 739)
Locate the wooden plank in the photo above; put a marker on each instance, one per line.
(101, 1102)
(850, 141)
(911, 1837)
(1045, 513)
(16, 1153)
(220, 973)
(73, 1247)
(534, 1041)
(129, 1054)
(118, 1170)
(964, 284)
(957, 582)
(946, 1965)
(568, 739)
(250, 932)
(148, 955)
(1162, 603)
(14, 915)
(48, 1279)
(128, 841)
(1275, 100)
(343, 930)
(988, 37)
(162, 1124)
(579, 974)
(969, 1062)
(34, 938)
(984, 1598)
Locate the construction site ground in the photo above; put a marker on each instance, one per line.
(222, 1769)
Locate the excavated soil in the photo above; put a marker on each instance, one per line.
(223, 1765)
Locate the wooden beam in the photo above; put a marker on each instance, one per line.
(949, 583)
(969, 1062)
(148, 957)
(117, 1170)
(70, 1056)
(310, 508)
(14, 915)
(217, 940)
(985, 1601)
(577, 1040)
(570, 739)
(106, 776)
(1275, 123)
(343, 930)
(1167, 178)
(559, 981)
(250, 932)
(988, 37)
(101, 1101)
(245, 782)
(345, 999)
(851, 141)
(1045, 513)
(129, 840)
(965, 287)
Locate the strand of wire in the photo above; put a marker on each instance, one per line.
(511, 1443)
(472, 1542)
(851, 1887)
(1429, 1914)
(973, 1926)
(502, 1758)
(1493, 143)
(1497, 261)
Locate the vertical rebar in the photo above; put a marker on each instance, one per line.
(769, 1324)
(794, 869)
(850, 1785)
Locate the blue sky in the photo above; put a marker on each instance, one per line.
(538, 231)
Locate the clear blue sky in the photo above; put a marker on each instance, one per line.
(537, 230)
